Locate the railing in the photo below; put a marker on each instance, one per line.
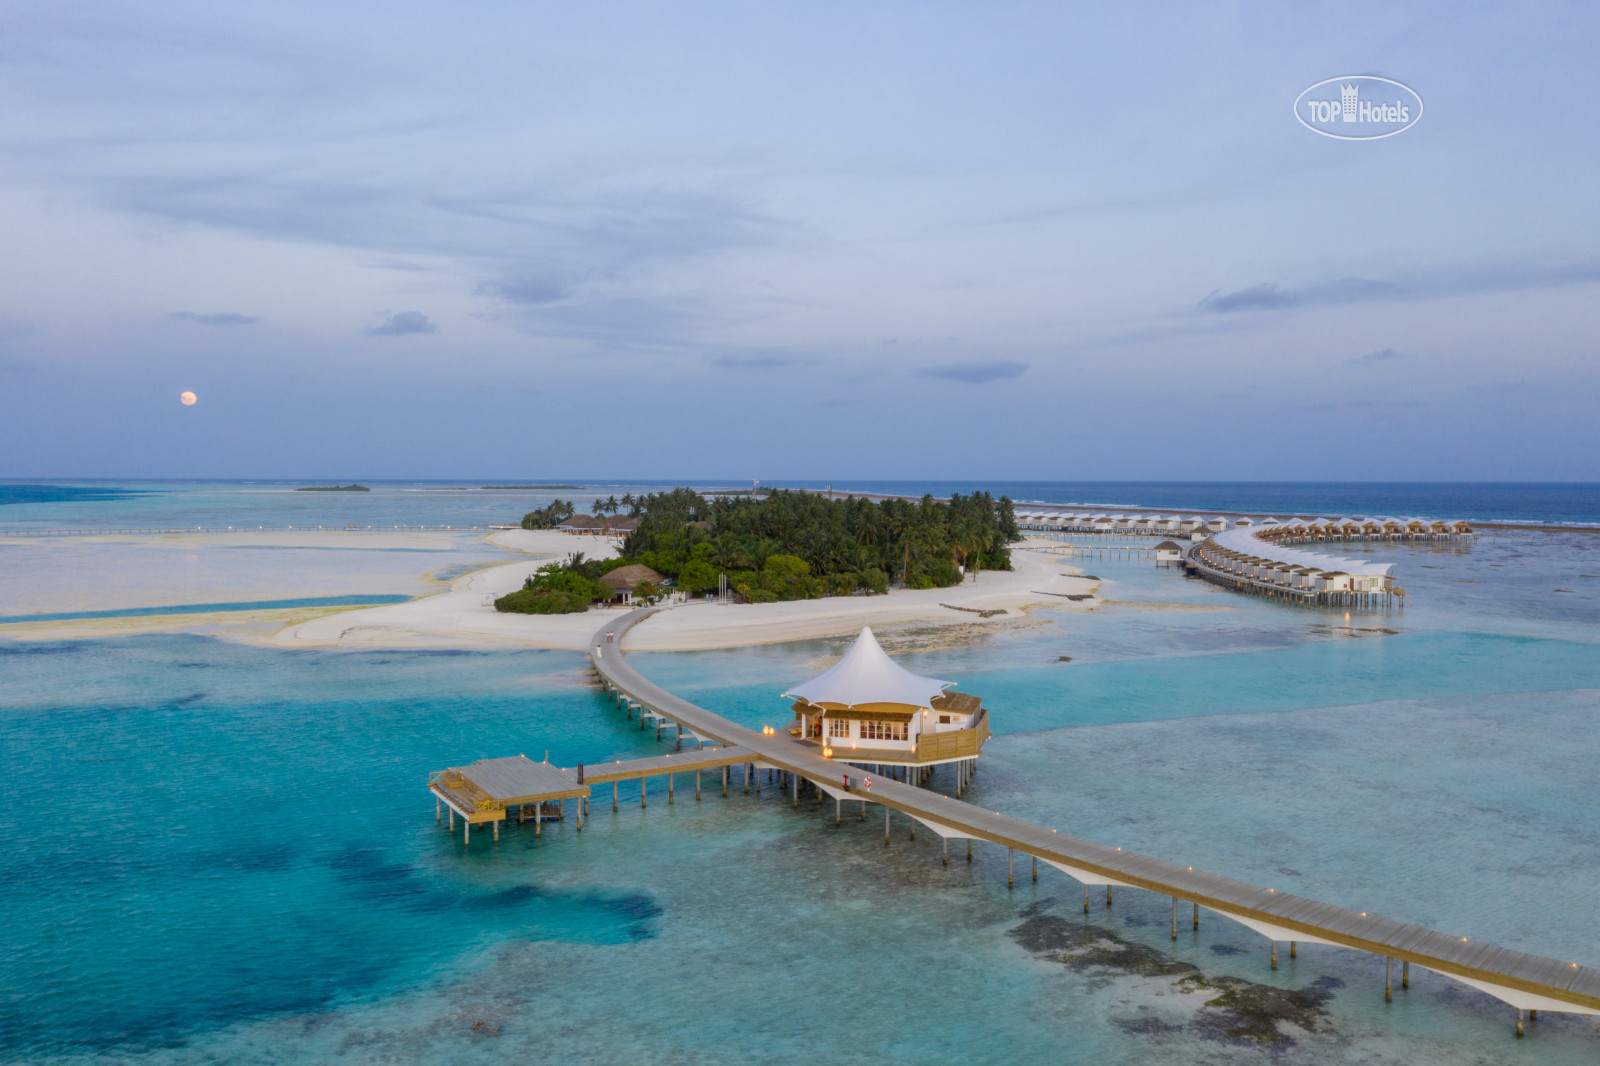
(458, 785)
(954, 743)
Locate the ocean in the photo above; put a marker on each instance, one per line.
(218, 851)
(246, 504)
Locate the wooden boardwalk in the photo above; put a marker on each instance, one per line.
(1527, 982)
(489, 790)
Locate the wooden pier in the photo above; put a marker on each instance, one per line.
(1527, 982)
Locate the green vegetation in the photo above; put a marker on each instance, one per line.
(548, 517)
(560, 588)
(334, 488)
(792, 545)
(559, 511)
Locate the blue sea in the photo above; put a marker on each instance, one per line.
(247, 504)
(221, 852)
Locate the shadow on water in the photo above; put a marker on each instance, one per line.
(1219, 1008)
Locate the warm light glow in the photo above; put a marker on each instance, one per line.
(187, 398)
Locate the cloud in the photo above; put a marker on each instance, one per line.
(975, 373)
(1482, 279)
(1253, 298)
(526, 291)
(758, 360)
(402, 323)
(1375, 406)
(221, 318)
(1373, 357)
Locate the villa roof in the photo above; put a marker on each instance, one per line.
(627, 578)
(957, 702)
(866, 674)
(581, 521)
(1168, 545)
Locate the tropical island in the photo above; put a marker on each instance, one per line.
(782, 545)
(334, 488)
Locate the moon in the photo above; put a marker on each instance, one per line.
(187, 398)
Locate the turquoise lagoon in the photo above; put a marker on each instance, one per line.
(218, 852)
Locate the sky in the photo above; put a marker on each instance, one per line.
(795, 241)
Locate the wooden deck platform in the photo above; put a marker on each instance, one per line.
(486, 791)
(482, 791)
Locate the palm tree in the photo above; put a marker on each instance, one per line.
(899, 527)
(972, 540)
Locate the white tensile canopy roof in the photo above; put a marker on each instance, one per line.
(866, 674)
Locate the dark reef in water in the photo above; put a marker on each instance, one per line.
(1241, 1011)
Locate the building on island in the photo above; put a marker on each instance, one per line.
(599, 525)
(624, 581)
(867, 709)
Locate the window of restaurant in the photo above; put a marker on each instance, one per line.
(883, 730)
(838, 727)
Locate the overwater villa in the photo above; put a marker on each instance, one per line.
(869, 710)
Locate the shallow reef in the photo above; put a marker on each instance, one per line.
(1234, 1010)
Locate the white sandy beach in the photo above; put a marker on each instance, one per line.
(452, 609)
(465, 616)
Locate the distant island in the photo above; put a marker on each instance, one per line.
(565, 488)
(334, 488)
(782, 545)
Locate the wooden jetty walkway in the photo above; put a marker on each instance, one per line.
(1527, 982)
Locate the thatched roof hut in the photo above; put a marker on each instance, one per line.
(627, 578)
